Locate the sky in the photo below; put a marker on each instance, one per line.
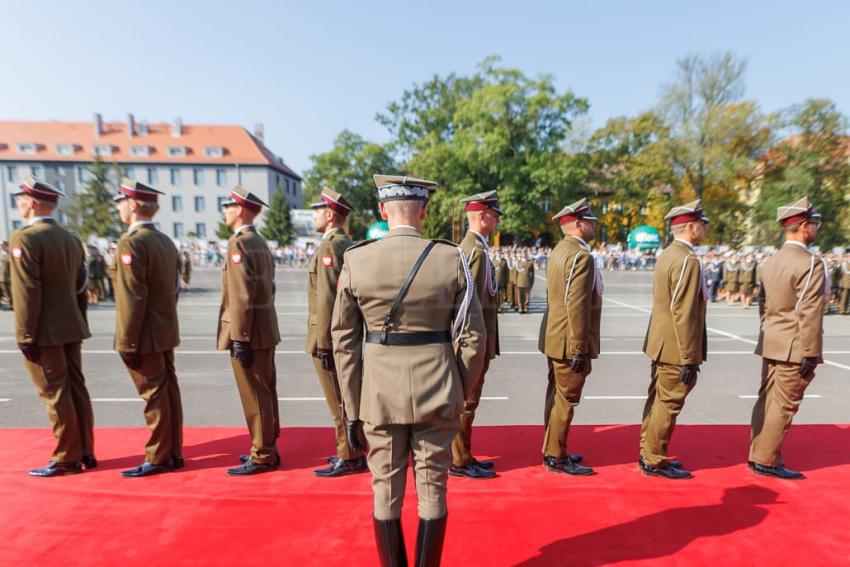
(309, 69)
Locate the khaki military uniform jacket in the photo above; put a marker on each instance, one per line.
(676, 333)
(486, 287)
(383, 384)
(323, 273)
(247, 293)
(145, 273)
(747, 274)
(844, 281)
(49, 281)
(502, 273)
(792, 303)
(525, 274)
(571, 323)
(512, 272)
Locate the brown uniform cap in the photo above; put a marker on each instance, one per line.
(797, 212)
(580, 210)
(244, 198)
(333, 200)
(403, 188)
(38, 189)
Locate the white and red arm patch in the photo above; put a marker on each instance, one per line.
(236, 258)
(327, 261)
(127, 259)
(17, 252)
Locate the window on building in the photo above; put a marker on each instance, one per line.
(152, 179)
(35, 170)
(103, 150)
(177, 203)
(199, 204)
(220, 177)
(178, 230)
(140, 151)
(175, 176)
(62, 186)
(27, 148)
(61, 171)
(13, 202)
(16, 224)
(11, 173)
(176, 151)
(285, 185)
(200, 230)
(130, 172)
(213, 152)
(198, 176)
(83, 174)
(65, 149)
(222, 201)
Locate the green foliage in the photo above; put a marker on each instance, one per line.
(222, 231)
(348, 170)
(92, 212)
(277, 222)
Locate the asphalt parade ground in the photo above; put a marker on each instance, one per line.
(515, 384)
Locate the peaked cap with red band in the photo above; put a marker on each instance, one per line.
(332, 200)
(482, 202)
(38, 189)
(797, 212)
(689, 212)
(132, 189)
(580, 210)
(244, 198)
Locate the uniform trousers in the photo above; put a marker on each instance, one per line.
(462, 444)
(780, 394)
(156, 384)
(563, 394)
(58, 377)
(512, 295)
(665, 400)
(257, 387)
(330, 387)
(844, 302)
(390, 448)
(523, 296)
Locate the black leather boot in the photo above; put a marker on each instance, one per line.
(429, 542)
(390, 543)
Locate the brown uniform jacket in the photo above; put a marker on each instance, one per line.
(525, 273)
(383, 384)
(48, 281)
(676, 333)
(323, 274)
(792, 303)
(747, 273)
(844, 282)
(502, 272)
(571, 323)
(145, 276)
(247, 293)
(512, 271)
(482, 269)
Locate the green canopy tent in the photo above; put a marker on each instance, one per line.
(644, 237)
(377, 230)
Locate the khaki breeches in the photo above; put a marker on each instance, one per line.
(563, 394)
(156, 384)
(665, 400)
(462, 444)
(258, 391)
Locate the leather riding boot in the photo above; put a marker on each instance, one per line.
(429, 542)
(390, 543)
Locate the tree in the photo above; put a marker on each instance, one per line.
(497, 129)
(223, 231)
(277, 223)
(92, 212)
(813, 160)
(348, 169)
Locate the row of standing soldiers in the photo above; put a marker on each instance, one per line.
(515, 276)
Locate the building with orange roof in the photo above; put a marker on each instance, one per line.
(196, 165)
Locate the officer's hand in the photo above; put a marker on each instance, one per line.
(30, 351)
(241, 351)
(356, 438)
(326, 357)
(688, 376)
(807, 367)
(131, 359)
(578, 364)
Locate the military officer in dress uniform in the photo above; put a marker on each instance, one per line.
(676, 338)
(844, 285)
(747, 280)
(524, 281)
(49, 283)
(502, 272)
(413, 301)
(569, 332)
(482, 214)
(512, 274)
(248, 329)
(329, 215)
(145, 275)
(730, 279)
(5, 275)
(792, 303)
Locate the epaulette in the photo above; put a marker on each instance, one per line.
(359, 243)
(444, 241)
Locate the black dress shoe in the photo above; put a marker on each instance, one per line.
(146, 469)
(778, 471)
(676, 464)
(566, 465)
(250, 468)
(575, 458)
(667, 471)
(487, 465)
(471, 471)
(390, 543)
(55, 468)
(341, 467)
(176, 462)
(332, 459)
(89, 462)
(429, 542)
(275, 460)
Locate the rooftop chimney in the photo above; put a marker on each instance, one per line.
(259, 131)
(131, 125)
(98, 124)
(143, 128)
(177, 128)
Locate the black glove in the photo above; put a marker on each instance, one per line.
(578, 364)
(807, 367)
(688, 376)
(30, 351)
(241, 351)
(356, 438)
(131, 359)
(327, 358)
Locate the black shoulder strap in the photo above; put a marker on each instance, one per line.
(403, 291)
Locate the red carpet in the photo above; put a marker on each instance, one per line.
(528, 516)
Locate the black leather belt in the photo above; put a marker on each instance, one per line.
(409, 339)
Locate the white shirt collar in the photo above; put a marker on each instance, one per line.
(481, 238)
(581, 241)
(243, 227)
(37, 219)
(686, 243)
(327, 234)
(795, 243)
(137, 224)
